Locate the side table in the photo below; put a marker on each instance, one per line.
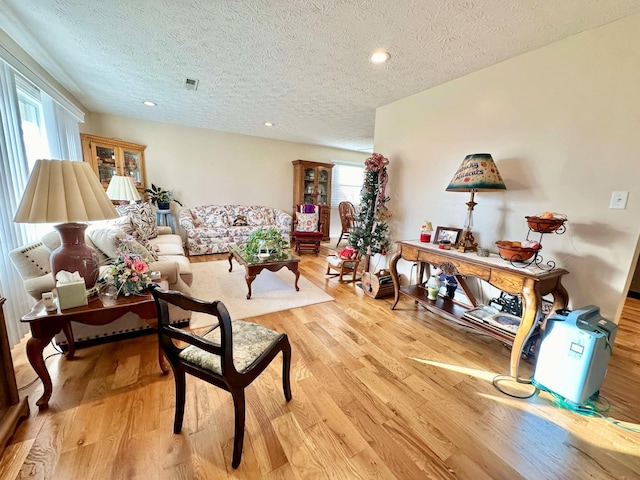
(44, 325)
(163, 217)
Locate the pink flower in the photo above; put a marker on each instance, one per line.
(140, 266)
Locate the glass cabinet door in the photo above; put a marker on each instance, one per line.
(107, 168)
(323, 186)
(132, 166)
(309, 185)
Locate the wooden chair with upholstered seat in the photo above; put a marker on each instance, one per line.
(230, 355)
(307, 228)
(347, 216)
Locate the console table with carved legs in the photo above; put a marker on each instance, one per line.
(531, 282)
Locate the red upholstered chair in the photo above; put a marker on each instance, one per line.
(307, 232)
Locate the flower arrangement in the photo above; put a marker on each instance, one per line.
(129, 271)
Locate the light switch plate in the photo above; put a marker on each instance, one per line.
(619, 200)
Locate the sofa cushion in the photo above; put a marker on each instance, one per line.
(143, 219)
(257, 217)
(51, 240)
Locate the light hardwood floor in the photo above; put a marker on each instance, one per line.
(377, 394)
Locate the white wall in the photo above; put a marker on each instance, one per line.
(211, 167)
(563, 125)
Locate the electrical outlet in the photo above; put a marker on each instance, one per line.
(619, 200)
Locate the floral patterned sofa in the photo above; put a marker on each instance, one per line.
(215, 228)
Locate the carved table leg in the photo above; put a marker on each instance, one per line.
(531, 302)
(230, 258)
(35, 347)
(68, 333)
(249, 279)
(395, 278)
(295, 271)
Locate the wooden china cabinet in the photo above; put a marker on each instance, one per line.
(109, 157)
(312, 184)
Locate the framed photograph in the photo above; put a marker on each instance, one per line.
(447, 233)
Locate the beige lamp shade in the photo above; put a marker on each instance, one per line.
(123, 189)
(477, 172)
(63, 191)
(69, 193)
(426, 227)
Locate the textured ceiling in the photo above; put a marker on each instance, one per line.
(301, 64)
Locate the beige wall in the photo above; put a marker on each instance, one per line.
(563, 126)
(207, 166)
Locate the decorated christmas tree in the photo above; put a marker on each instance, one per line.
(370, 233)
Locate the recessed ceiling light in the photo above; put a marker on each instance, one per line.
(149, 103)
(268, 124)
(380, 56)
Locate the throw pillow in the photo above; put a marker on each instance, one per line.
(307, 222)
(240, 221)
(143, 219)
(107, 239)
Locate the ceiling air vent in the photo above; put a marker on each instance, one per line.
(191, 83)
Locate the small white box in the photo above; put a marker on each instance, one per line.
(73, 294)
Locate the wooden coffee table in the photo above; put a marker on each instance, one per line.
(254, 265)
(45, 325)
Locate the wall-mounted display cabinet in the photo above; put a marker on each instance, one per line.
(312, 184)
(109, 157)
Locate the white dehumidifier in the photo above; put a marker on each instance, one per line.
(574, 353)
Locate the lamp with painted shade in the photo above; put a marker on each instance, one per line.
(67, 192)
(122, 190)
(477, 173)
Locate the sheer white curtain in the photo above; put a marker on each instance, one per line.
(63, 138)
(14, 173)
(64, 144)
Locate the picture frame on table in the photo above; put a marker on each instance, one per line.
(447, 233)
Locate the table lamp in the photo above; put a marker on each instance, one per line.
(67, 192)
(122, 190)
(477, 173)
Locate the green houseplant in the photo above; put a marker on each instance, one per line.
(267, 241)
(160, 197)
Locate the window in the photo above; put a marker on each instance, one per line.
(346, 183)
(32, 121)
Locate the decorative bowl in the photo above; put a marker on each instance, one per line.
(545, 225)
(514, 251)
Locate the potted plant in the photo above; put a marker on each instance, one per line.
(265, 242)
(160, 197)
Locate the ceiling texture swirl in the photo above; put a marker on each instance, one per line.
(301, 64)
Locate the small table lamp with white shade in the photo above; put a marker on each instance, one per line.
(67, 192)
(478, 172)
(122, 190)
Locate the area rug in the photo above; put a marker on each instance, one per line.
(270, 291)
